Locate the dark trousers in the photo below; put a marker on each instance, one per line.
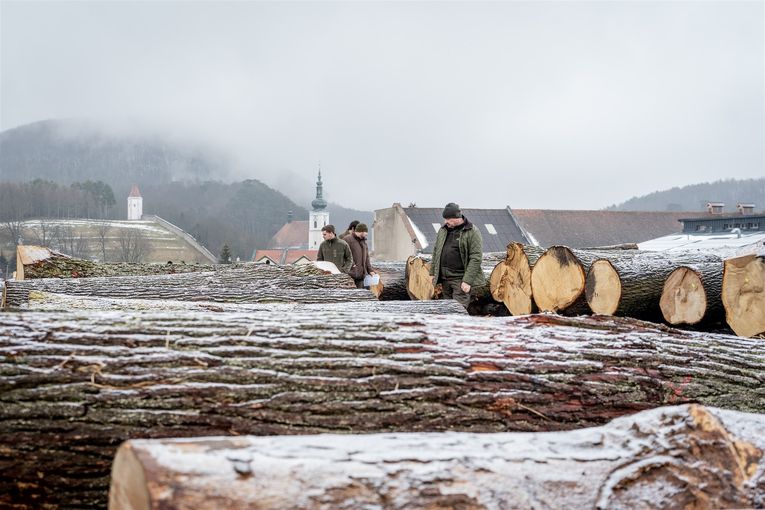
(453, 290)
(359, 283)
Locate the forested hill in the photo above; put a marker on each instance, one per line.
(696, 196)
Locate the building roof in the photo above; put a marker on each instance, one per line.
(134, 192)
(727, 216)
(285, 255)
(293, 255)
(274, 255)
(291, 235)
(497, 226)
(583, 229)
(725, 244)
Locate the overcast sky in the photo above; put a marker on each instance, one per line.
(528, 104)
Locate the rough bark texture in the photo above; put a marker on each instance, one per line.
(692, 295)
(74, 386)
(392, 284)
(58, 265)
(47, 301)
(510, 280)
(630, 283)
(743, 295)
(254, 283)
(673, 457)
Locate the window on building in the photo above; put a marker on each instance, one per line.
(436, 226)
(701, 228)
(490, 229)
(314, 224)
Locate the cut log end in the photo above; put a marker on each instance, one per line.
(743, 295)
(604, 288)
(683, 300)
(510, 281)
(419, 283)
(128, 487)
(557, 279)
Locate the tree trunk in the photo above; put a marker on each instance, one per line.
(254, 283)
(510, 281)
(47, 301)
(630, 283)
(743, 295)
(558, 280)
(692, 294)
(674, 457)
(419, 283)
(392, 284)
(75, 385)
(41, 262)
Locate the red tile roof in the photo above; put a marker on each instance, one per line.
(275, 255)
(584, 229)
(291, 235)
(294, 255)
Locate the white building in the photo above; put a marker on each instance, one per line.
(134, 204)
(318, 217)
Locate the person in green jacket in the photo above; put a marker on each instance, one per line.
(335, 250)
(457, 256)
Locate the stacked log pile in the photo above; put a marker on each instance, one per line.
(253, 283)
(674, 457)
(75, 385)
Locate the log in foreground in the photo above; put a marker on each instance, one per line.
(253, 283)
(48, 301)
(672, 457)
(510, 280)
(743, 295)
(558, 280)
(691, 295)
(73, 386)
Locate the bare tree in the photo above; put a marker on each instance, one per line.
(133, 245)
(102, 229)
(44, 232)
(72, 242)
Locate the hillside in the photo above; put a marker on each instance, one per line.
(696, 196)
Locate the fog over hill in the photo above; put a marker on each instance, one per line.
(694, 197)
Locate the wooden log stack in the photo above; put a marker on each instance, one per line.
(692, 295)
(743, 295)
(510, 280)
(76, 385)
(673, 457)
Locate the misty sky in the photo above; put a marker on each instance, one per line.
(528, 104)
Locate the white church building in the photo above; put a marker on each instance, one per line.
(134, 204)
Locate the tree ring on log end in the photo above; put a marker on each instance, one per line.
(743, 295)
(557, 279)
(603, 288)
(683, 300)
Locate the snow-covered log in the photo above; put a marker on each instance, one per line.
(673, 457)
(743, 294)
(75, 385)
(253, 283)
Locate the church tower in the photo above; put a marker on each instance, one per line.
(318, 217)
(135, 204)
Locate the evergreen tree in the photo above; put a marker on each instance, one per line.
(225, 255)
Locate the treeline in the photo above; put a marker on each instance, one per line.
(45, 199)
(696, 196)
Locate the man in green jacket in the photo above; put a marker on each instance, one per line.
(335, 250)
(457, 256)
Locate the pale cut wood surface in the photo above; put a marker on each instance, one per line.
(743, 295)
(691, 295)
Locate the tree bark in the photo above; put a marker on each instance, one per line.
(75, 385)
(48, 301)
(510, 280)
(392, 284)
(630, 283)
(254, 283)
(743, 295)
(673, 457)
(692, 294)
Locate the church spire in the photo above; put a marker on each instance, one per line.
(319, 203)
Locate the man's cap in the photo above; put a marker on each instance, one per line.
(361, 227)
(451, 210)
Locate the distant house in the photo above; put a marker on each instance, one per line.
(403, 231)
(285, 256)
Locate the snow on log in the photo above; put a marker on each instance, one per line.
(630, 283)
(743, 295)
(673, 457)
(48, 301)
(75, 385)
(252, 283)
(692, 294)
(510, 280)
